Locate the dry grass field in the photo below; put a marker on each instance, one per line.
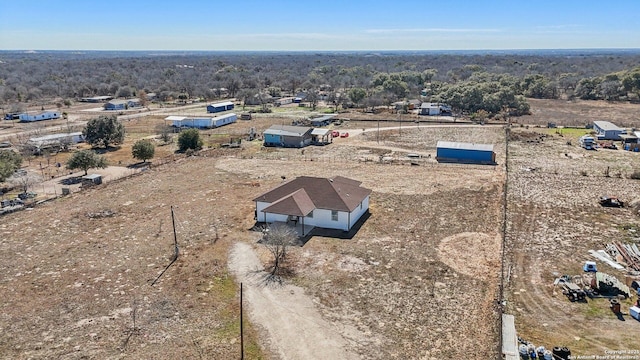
(419, 280)
(553, 220)
(76, 279)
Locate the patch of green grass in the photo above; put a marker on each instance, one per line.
(568, 132)
(224, 287)
(596, 309)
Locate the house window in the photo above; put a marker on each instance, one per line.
(360, 206)
(310, 216)
(334, 215)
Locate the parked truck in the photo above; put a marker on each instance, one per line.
(588, 142)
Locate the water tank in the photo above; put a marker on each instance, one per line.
(547, 355)
(524, 352)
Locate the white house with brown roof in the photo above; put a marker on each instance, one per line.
(336, 203)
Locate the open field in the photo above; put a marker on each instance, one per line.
(400, 283)
(580, 113)
(419, 280)
(553, 220)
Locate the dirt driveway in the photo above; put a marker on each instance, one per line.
(295, 328)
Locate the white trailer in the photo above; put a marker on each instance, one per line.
(224, 120)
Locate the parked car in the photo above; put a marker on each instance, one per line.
(335, 133)
(344, 135)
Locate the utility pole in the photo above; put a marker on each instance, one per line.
(241, 328)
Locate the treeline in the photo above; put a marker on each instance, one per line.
(491, 82)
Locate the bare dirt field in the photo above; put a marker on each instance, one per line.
(580, 113)
(419, 280)
(553, 220)
(81, 266)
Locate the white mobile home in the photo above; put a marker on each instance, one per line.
(224, 120)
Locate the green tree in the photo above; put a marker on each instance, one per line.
(85, 160)
(189, 139)
(104, 131)
(143, 150)
(10, 161)
(357, 95)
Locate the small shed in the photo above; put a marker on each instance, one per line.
(92, 179)
(245, 116)
(606, 130)
(467, 153)
(287, 136)
(220, 107)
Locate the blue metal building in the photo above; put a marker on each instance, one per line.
(287, 136)
(219, 107)
(465, 153)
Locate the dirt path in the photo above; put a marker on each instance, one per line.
(295, 328)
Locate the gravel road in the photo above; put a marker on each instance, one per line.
(295, 328)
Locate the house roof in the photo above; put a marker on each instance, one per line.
(464, 146)
(606, 125)
(339, 193)
(298, 204)
(287, 130)
(120, 101)
(175, 118)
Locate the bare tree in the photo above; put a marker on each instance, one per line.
(24, 180)
(277, 237)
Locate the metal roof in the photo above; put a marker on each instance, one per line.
(92, 176)
(225, 116)
(429, 105)
(120, 101)
(54, 137)
(323, 118)
(287, 130)
(606, 125)
(175, 118)
(224, 103)
(464, 146)
(320, 132)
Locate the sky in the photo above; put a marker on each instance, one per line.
(318, 25)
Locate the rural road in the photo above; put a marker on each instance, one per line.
(295, 328)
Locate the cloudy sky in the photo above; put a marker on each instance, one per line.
(318, 25)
